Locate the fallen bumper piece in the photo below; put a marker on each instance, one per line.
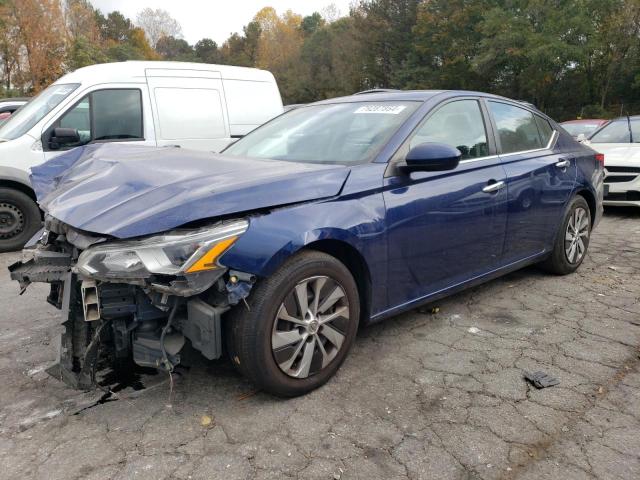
(541, 379)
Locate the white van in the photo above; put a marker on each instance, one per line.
(193, 105)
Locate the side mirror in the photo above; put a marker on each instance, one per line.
(431, 157)
(581, 137)
(63, 136)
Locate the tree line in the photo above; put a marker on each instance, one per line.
(569, 57)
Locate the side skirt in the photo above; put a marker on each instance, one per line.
(445, 292)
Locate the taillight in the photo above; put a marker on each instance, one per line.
(600, 158)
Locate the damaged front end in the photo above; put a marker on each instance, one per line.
(134, 300)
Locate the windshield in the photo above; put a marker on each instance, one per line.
(614, 132)
(576, 129)
(340, 133)
(27, 116)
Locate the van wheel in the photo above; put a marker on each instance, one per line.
(299, 327)
(572, 240)
(19, 219)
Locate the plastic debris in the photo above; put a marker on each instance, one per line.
(473, 330)
(541, 379)
(206, 421)
(432, 310)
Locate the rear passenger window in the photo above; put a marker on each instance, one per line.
(517, 128)
(545, 130)
(458, 124)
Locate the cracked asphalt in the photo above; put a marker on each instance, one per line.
(422, 396)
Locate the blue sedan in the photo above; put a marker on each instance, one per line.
(335, 214)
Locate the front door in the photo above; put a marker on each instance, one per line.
(105, 115)
(446, 227)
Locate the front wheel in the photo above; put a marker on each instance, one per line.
(572, 240)
(299, 325)
(19, 219)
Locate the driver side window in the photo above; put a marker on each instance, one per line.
(79, 119)
(106, 115)
(459, 124)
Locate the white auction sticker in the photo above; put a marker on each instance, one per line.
(389, 109)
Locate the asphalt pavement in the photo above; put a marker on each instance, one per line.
(432, 394)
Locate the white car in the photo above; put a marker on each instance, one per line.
(191, 105)
(619, 141)
(8, 106)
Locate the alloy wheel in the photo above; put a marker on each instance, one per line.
(11, 221)
(310, 326)
(576, 235)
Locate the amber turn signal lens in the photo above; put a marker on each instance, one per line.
(209, 260)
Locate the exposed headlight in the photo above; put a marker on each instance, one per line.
(173, 253)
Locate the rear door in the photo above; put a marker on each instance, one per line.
(540, 179)
(189, 108)
(445, 228)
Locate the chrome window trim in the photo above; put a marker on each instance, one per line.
(470, 160)
(549, 146)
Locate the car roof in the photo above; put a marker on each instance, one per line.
(630, 117)
(15, 99)
(135, 71)
(384, 95)
(586, 120)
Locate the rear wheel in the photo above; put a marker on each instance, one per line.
(19, 219)
(572, 241)
(299, 327)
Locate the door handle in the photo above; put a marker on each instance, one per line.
(563, 164)
(493, 187)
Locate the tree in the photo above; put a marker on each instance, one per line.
(115, 27)
(385, 31)
(445, 42)
(332, 61)
(207, 51)
(279, 48)
(158, 23)
(312, 23)
(80, 20)
(171, 48)
(39, 28)
(9, 46)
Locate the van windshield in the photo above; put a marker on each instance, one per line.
(339, 133)
(24, 119)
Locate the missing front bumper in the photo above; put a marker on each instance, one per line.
(108, 324)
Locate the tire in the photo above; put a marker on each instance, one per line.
(251, 333)
(563, 259)
(19, 219)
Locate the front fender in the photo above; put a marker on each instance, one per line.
(274, 237)
(16, 175)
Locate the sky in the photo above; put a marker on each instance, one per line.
(215, 19)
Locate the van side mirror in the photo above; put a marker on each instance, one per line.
(63, 136)
(431, 157)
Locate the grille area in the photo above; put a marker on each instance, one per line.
(623, 196)
(621, 174)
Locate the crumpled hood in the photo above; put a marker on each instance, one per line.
(127, 190)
